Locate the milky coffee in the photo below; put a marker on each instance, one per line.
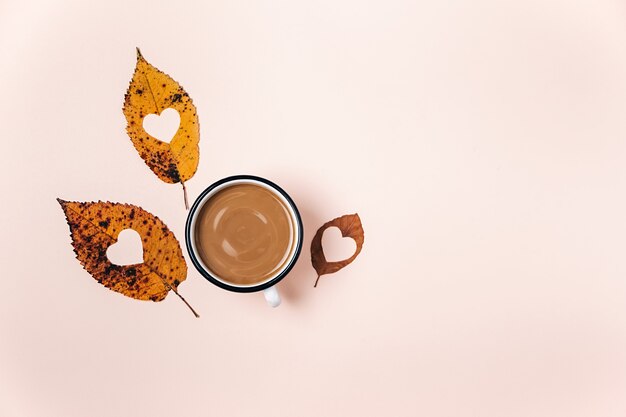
(244, 234)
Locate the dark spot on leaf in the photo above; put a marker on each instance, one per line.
(172, 172)
(104, 223)
(111, 268)
(177, 98)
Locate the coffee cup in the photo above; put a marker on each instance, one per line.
(244, 234)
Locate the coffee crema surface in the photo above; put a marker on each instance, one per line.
(244, 234)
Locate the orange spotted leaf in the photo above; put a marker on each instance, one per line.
(350, 226)
(95, 226)
(150, 92)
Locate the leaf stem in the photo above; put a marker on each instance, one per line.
(185, 195)
(185, 301)
(318, 278)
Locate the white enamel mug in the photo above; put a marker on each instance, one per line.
(268, 286)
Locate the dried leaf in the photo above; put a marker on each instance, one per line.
(350, 226)
(152, 91)
(95, 226)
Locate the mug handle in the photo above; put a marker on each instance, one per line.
(271, 296)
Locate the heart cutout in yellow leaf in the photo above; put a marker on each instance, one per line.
(151, 91)
(128, 250)
(95, 227)
(162, 126)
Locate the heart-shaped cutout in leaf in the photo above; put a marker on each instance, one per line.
(162, 126)
(95, 226)
(151, 92)
(128, 250)
(351, 227)
(336, 247)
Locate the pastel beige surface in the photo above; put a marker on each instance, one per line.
(483, 144)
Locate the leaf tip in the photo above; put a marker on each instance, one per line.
(61, 201)
(139, 56)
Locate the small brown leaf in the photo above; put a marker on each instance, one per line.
(152, 91)
(350, 226)
(96, 226)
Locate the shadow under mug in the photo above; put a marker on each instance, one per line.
(268, 286)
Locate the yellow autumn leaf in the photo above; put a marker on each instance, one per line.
(150, 92)
(95, 226)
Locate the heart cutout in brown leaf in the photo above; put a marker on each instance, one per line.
(350, 226)
(336, 247)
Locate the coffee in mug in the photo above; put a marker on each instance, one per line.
(244, 234)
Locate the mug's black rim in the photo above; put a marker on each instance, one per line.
(206, 274)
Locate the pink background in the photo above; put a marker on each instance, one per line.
(483, 143)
